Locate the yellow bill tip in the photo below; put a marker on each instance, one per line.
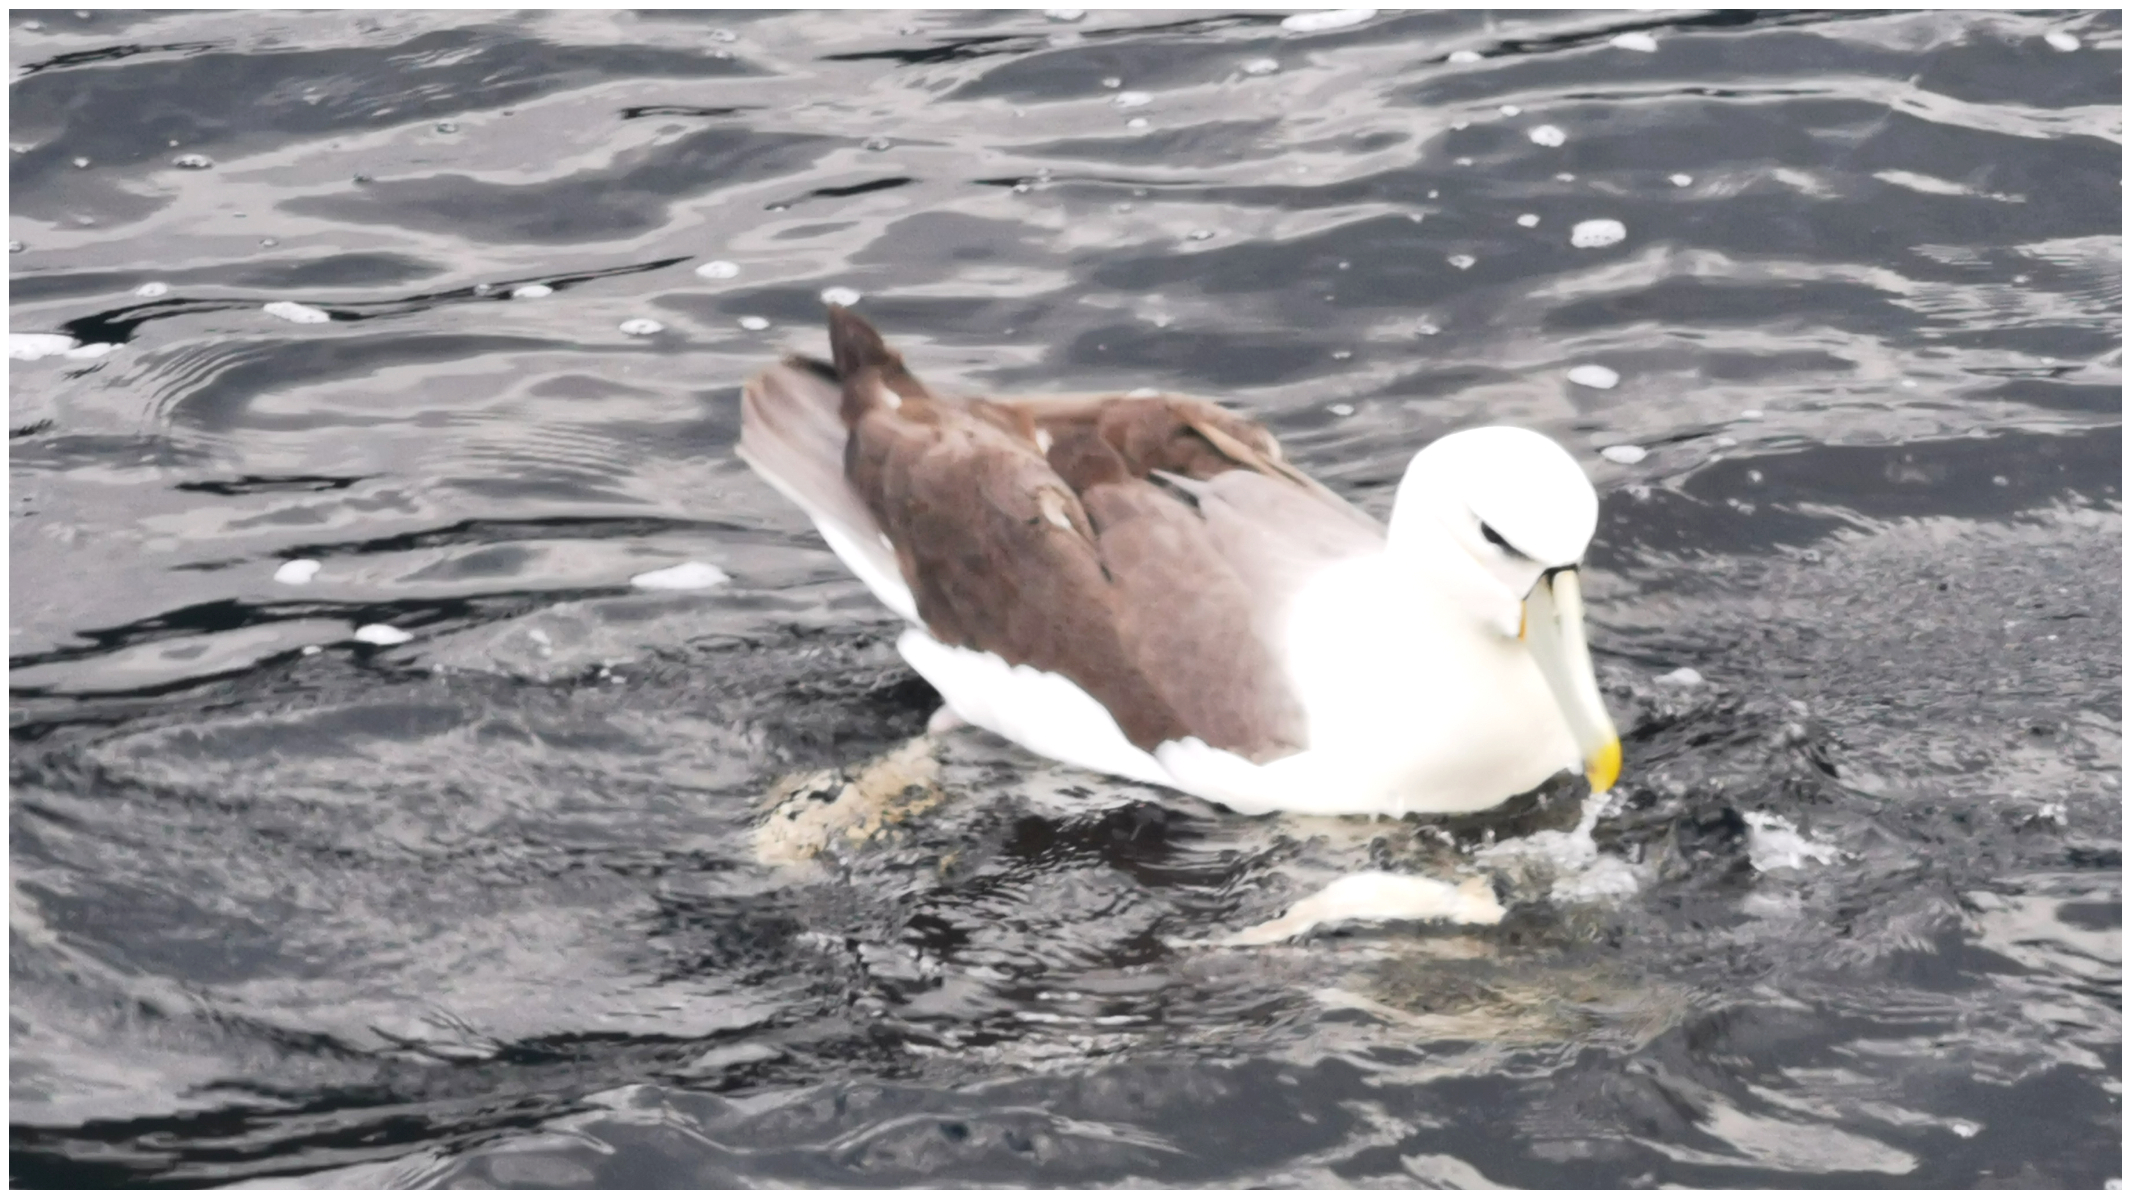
(1603, 766)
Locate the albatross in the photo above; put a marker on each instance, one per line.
(1142, 585)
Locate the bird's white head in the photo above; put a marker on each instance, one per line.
(1503, 516)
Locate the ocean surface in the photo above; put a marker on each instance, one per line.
(557, 880)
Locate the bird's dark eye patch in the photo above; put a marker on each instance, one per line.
(1497, 539)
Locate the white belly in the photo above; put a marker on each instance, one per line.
(1411, 708)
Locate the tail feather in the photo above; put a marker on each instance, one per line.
(872, 373)
(792, 433)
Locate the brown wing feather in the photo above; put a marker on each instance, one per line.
(1040, 529)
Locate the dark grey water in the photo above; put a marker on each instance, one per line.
(488, 906)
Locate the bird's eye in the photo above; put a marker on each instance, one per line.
(1498, 540)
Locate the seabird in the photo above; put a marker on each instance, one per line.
(1141, 584)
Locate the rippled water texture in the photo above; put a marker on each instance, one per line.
(493, 904)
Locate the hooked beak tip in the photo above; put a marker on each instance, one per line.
(1603, 766)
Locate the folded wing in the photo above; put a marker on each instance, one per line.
(1144, 547)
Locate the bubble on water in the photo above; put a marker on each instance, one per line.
(16, 247)
(1680, 180)
(1753, 476)
(1528, 220)
(718, 268)
(1591, 374)
(33, 26)
(688, 576)
(2000, 481)
(1751, 414)
(531, 291)
(1431, 193)
(754, 324)
(447, 126)
(269, 242)
(1318, 22)
(1136, 123)
(1261, 66)
(877, 144)
(1685, 676)
(2061, 40)
(1592, 234)
(81, 162)
(724, 35)
(1509, 110)
(1463, 56)
(640, 326)
(383, 634)
(308, 650)
(296, 572)
(1460, 125)
(1565, 177)
(1547, 135)
(482, 289)
(1021, 189)
(1463, 262)
(29, 347)
(1341, 355)
(1340, 409)
(844, 296)
(1727, 442)
(1641, 42)
(1909, 383)
(1199, 234)
(1132, 99)
(1626, 455)
(1426, 329)
(193, 162)
(1113, 82)
(1064, 16)
(302, 314)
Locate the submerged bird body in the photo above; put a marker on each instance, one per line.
(1141, 585)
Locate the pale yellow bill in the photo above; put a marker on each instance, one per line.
(1553, 627)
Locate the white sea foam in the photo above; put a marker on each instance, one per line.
(1590, 374)
(1641, 42)
(296, 572)
(383, 634)
(718, 268)
(1547, 135)
(1375, 896)
(1594, 233)
(1774, 843)
(1626, 455)
(302, 314)
(1318, 22)
(688, 576)
(29, 347)
(640, 326)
